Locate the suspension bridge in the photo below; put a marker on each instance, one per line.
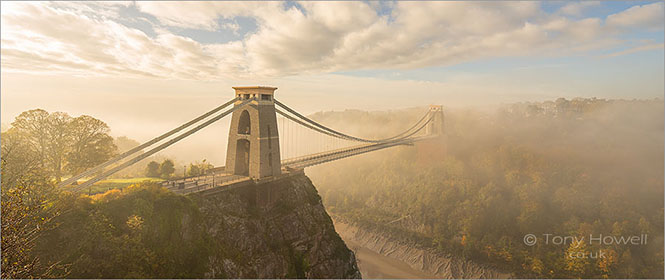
(262, 147)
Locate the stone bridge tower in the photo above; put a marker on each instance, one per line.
(435, 126)
(432, 150)
(253, 148)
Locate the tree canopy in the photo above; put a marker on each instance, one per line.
(62, 143)
(152, 169)
(166, 169)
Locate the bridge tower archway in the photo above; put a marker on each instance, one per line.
(242, 157)
(253, 146)
(244, 123)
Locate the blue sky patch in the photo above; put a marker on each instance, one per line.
(223, 34)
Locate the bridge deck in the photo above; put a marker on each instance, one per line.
(202, 183)
(314, 159)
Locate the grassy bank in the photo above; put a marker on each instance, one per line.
(119, 183)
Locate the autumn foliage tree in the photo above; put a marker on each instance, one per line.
(38, 148)
(166, 169)
(198, 168)
(63, 143)
(91, 144)
(152, 169)
(27, 208)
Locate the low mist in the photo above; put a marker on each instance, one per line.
(562, 167)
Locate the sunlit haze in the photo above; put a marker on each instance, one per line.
(146, 67)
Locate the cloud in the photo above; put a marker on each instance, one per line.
(641, 48)
(42, 38)
(302, 38)
(647, 16)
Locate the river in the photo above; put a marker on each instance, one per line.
(375, 265)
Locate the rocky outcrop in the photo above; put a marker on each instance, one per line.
(422, 259)
(278, 229)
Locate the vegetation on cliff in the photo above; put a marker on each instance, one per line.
(146, 231)
(142, 231)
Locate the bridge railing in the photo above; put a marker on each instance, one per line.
(299, 158)
(315, 159)
(200, 183)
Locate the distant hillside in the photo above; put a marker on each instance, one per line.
(564, 167)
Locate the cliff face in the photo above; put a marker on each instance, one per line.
(421, 259)
(274, 230)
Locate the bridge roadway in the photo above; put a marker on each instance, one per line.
(218, 180)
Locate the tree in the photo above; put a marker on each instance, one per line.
(27, 208)
(25, 216)
(125, 143)
(152, 169)
(128, 234)
(166, 169)
(193, 170)
(62, 142)
(607, 263)
(59, 140)
(32, 125)
(20, 163)
(205, 166)
(48, 134)
(91, 144)
(197, 169)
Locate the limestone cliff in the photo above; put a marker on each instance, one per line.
(278, 229)
(421, 259)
